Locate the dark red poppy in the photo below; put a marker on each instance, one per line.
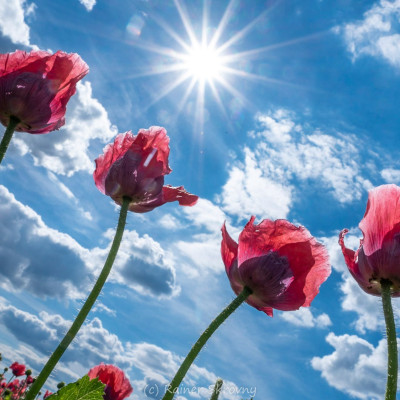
(378, 256)
(281, 263)
(117, 384)
(35, 88)
(17, 369)
(134, 167)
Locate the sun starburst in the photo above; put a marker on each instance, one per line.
(202, 62)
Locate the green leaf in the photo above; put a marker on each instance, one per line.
(83, 389)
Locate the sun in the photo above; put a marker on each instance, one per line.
(207, 62)
(204, 63)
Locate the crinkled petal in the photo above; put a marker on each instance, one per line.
(35, 61)
(309, 262)
(229, 249)
(382, 218)
(117, 385)
(257, 240)
(155, 137)
(111, 153)
(293, 263)
(179, 194)
(48, 82)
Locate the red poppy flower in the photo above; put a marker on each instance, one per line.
(35, 88)
(281, 263)
(17, 369)
(117, 385)
(134, 166)
(47, 394)
(378, 256)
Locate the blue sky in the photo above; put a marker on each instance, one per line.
(299, 123)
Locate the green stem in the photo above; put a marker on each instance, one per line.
(391, 385)
(12, 124)
(195, 350)
(217, 389)
(59, 351)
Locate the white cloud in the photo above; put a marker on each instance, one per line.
(65, 151)
(304, 318)
(203, 254)
(250, 191)
(168, 221)
(88, 4)
(287, 155)
(142, 265)
(55, 270)
(12, 21)
(49, 263)
(206, 214)
(391, 175)
(152, 365)
(376, 34)
(356, 367)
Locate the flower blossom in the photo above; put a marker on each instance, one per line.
(17, 369)
(35, 88)
(134, 167)
(378, 257)
(117, 385)
(282, 264)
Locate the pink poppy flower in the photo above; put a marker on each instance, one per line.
(17, 369)
(378, 256)
(47, 394)
(281, 263)
(117, 384)
(35, 88)
(134, 166)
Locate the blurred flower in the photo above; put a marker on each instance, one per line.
(281, 263)
(35, 88)
(47, 394)
(134, 166)
(117, 385)
(17, 369)
(378, 256)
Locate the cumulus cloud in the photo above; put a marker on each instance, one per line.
(206, 215)
(35, 257)
(391, 175)
(304, 318)
(12, 21)
(287, 155)
(355, 367)
(159, 365)
(65, 151)
(88, 4)
(152, 365)
(376, 34)
(249, 190)
(142, 265)
(49, 263)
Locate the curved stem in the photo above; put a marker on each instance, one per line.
(391, 385)
(217, 389)
(195, 350)
(69, 336)
(12, 124)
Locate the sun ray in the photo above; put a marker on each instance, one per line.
(256, 52)
(204, 62)
(223, 23)
(242, 33)
(185, 21)
(168, 89)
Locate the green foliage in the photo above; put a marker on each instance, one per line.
(83, 389)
